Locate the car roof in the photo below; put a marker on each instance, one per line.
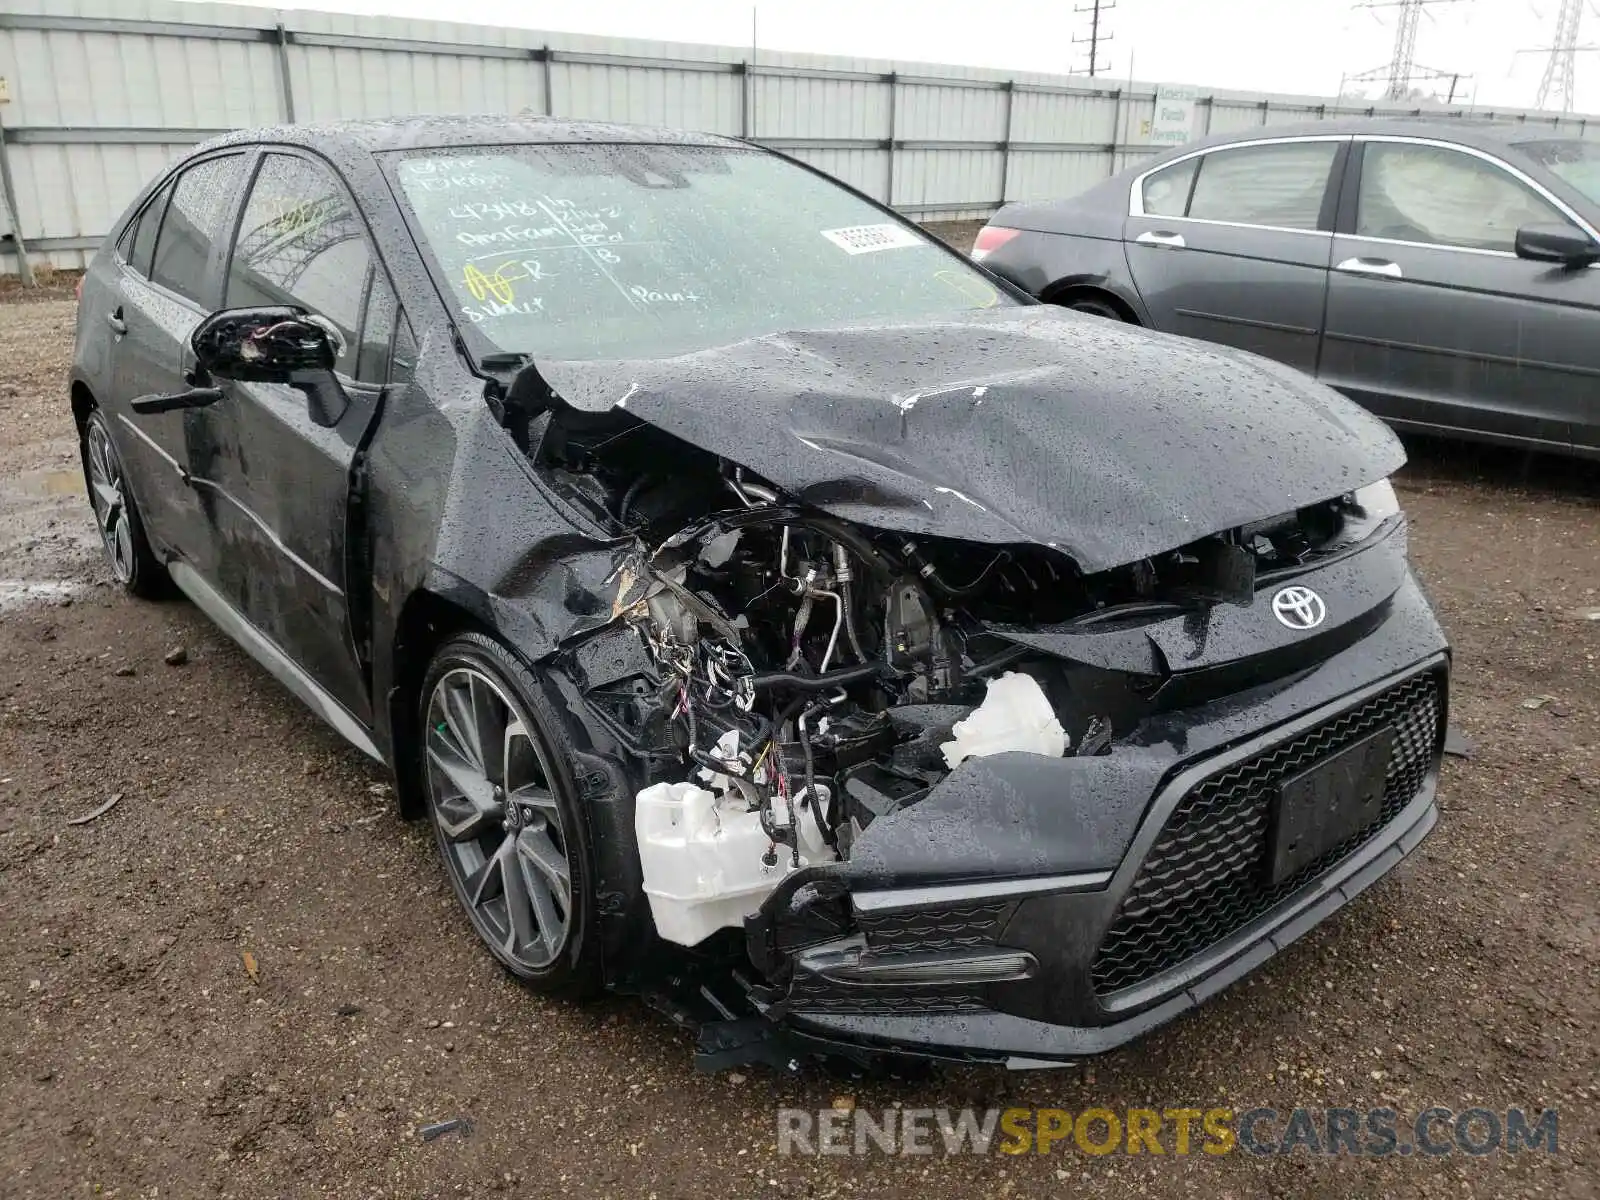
(346, 139)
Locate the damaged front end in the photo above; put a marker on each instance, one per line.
(967, 799)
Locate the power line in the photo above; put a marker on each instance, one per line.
(1096, 36)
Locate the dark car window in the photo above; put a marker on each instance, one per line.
(1576, 162)
(1281, 185)
(192, 224)
(301, 242)
(1416, 193)
(144, 229)
(616, 251)
(1166, 192)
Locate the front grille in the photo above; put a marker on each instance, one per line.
(1206, 875)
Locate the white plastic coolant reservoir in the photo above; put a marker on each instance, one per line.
(702, 859)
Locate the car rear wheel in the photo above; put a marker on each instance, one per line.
(501, 797)
(133, 563)
(1095, 308)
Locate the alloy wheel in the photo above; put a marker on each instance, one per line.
(499, 824)
(106, 494)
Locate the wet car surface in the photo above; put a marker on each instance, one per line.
(904, 664)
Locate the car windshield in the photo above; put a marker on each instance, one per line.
(1576, 162)
(631, 251)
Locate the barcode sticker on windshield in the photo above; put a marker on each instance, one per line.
(864, 239)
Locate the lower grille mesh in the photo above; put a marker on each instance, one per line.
(1206, 875)
(908, 931)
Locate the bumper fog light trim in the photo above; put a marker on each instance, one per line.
(937, 970)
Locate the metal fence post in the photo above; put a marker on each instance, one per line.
(1116, 133)
(285, 86)
(1005, 142)
(888, 186)
(24, 267)
(744, 99)
(549, 59)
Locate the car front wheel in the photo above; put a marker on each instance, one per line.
(133, 562)
(504, 809)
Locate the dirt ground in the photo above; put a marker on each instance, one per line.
(249, 978)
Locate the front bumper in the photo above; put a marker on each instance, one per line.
(1085, 950)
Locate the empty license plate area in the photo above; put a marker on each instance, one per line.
(1329, 803)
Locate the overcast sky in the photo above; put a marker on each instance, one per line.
(1299, 46)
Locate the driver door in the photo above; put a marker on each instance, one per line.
(1434, 322)
(282, 479)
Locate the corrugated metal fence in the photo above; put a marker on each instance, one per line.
(103, 93)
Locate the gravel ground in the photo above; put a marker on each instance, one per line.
(249, 979)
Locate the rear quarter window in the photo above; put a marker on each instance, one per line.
(139, 239)
(1166, 193)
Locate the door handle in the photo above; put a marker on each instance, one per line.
(118, 325)
(195, 397)
(1154, 237)
(1372, 266)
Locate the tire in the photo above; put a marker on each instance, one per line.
(133, 563)
(1096, 308)
(512, 836)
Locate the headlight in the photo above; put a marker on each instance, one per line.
(1371, 507)
(1378, 501)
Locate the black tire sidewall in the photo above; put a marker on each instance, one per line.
(576, 971)
(1095, 308)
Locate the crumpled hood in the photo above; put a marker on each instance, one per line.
(1029, 424)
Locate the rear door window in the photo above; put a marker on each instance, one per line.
(193, 223)
(1281, 185)
(301, 242)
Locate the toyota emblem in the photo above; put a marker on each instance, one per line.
(1299, 608)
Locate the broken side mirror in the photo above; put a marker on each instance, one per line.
(274, 344)
(264, 345)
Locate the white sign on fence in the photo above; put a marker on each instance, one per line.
(1174, 123)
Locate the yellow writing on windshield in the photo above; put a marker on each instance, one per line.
(496, 284)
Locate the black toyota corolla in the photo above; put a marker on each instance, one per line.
(774, 614)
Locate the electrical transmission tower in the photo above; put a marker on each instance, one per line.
(1560, 73)
(1405, 49)
(1403, 69)
(1096, 37)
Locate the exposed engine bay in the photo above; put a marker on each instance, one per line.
(794, 677)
